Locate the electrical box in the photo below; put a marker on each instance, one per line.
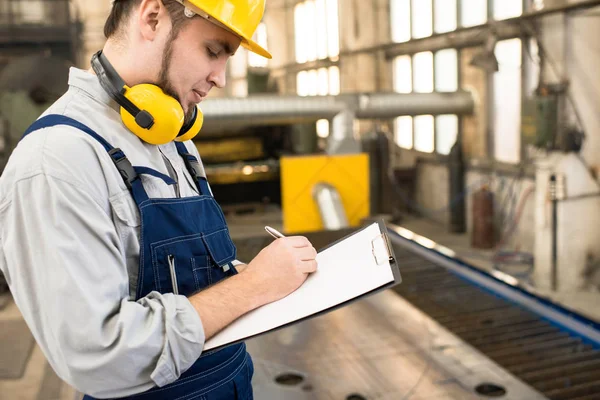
(546, 121)
(539, 121)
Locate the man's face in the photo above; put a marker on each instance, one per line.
(195, 61)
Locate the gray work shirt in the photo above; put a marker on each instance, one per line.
(69, 247)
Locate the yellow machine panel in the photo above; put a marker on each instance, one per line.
(230, 150)
(349, 174)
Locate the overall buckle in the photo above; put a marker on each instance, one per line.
(124, 167)
(193, 166)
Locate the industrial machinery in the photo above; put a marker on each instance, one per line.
(244, 141)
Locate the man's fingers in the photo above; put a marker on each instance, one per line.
(298, 241)
(307, 253)
(308, 267)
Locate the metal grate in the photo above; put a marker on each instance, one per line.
(558, 364)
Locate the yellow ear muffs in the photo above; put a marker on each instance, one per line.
(167, 112)
(147, 111)
(192, 131)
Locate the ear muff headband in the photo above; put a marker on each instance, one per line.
(114, 85)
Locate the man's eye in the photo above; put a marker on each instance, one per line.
(211, 53)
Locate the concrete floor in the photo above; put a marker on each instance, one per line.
(40, 383)
(336, 356)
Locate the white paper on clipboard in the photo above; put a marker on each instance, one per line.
(349, 269)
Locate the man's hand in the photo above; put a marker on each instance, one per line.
(281, 268)
(278, 270)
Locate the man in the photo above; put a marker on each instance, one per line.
(114, 249)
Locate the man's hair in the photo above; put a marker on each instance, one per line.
(121, 10)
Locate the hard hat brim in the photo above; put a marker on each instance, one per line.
(256, 48)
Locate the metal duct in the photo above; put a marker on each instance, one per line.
(391, 105)
(222, 114)
(229, 114)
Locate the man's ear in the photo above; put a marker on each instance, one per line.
(152, 17)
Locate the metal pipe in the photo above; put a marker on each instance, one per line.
(271, 107)
(331, 208)
(391, 105)
(554, 228)
(236, 113)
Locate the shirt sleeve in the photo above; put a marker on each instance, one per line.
(65, 265)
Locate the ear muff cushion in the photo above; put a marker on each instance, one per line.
(194, 129)
(167, 112)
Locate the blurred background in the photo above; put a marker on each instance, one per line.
(471, 127)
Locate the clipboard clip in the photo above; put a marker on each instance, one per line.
(379, 245)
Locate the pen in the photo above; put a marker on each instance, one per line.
(274, 232)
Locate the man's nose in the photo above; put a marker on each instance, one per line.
(219, 76)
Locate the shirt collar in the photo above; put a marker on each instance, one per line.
(89, 83)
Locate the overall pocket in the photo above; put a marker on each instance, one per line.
(185, 265)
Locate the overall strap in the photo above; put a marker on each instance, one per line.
(128, 172)
(193, 166)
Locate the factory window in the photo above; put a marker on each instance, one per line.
(313, 21)
(507, 101)
(446, 132)
(333, 34)
(422, 73)
(446, 80)
(403, 74)
(403, 84)
(404, 132)
(400, 20)
(422, 18)
(473, 12)
(445, 18)
(507, 8)
(446, 70)
(424, 133)
(322, 81)
(422, 82)
(334, 81)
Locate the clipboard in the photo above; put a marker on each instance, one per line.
(313, 299)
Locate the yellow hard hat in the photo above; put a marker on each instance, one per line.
(241, 17)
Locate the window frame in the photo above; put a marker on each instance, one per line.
(435, 154)
(327, 28)
(490, 8)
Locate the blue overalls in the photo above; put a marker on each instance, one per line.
(184, 244)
